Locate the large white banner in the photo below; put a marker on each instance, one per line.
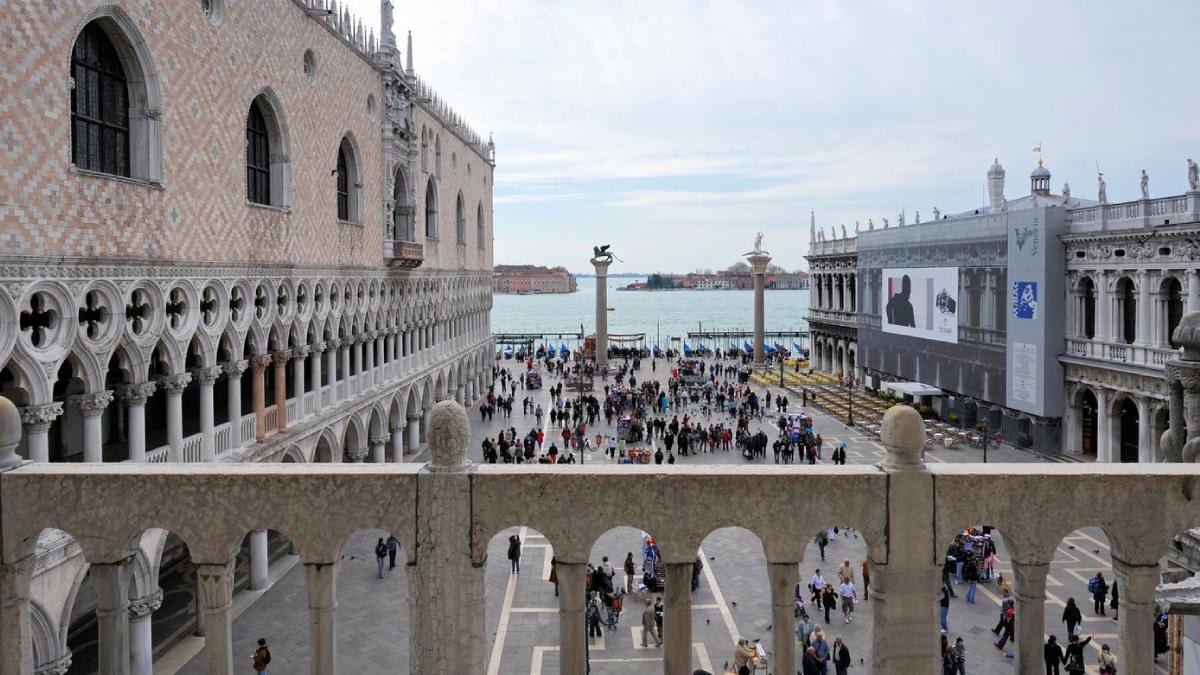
(921, 302)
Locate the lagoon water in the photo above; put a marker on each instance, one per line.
(667, 313)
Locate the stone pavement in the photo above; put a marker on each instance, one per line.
(733, 599)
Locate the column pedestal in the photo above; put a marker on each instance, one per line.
(1031, 614)
(572, 626)
(758, 266)
(601, 266)
(319, 579)
(677, 619)
(216, 599)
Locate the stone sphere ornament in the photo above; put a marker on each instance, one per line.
(449, 434)
(10, 433)
(904, 437)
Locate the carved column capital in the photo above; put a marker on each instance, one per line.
(260, 361)
(138, 393)
(377, 440)
(215, 585)
(319, 348)
(334, 343)
(206, 376)
(301, 352)
(91, 405)
(356, 455)
(175, 384)
(235, 368)
(281, 357)
(39, 417)
(146, 605)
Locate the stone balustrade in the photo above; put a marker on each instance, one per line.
(445, 513)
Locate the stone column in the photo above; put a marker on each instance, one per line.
(1031, 614)
(320, 581)
(397, 443)
(446, 579)
(331, 360)
(1145, 324)
(904, 587)
(378, 446)
(1193, 290)
(280, 360)
(174, 386)
(141, 636)
(316, 352)
(1103, 308)
(16, 631)
(601, 267)
(135, 396)
(216, 600)
(345, 351)
(259, 560)
(233, 393)
(572, 626)
(783, 578)
(1138, 581)
(36, 420)
(414, 433)
(206, 377)
(356, 353)
(677, 619)
(1103, 427)
(91, 407)
(1145, 450)
(758, 266)
(368, 357)
(299, 357)
(258, 365)
(111, 581)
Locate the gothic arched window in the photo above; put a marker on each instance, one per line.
(99, 105)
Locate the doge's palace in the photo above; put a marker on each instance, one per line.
(229, 231)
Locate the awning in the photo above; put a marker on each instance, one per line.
(913, 389)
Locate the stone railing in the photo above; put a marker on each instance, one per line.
(1120, 352)
(1136, 214)
(845, 246)
(446, 512)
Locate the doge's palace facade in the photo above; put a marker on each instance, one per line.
(229, 231)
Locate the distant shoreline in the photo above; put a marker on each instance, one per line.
(703, 290)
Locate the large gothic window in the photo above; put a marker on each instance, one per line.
(431, 229)
(99, 105)
(258, 157)
(400, 219)
(343, 186)
(348, 182)
(460, 221)
(479, 241)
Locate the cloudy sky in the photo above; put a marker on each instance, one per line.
(676, 129)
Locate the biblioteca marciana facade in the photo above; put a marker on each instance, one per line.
(230, 231)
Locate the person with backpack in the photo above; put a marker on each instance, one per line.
(262, 657)
(971, 575)
(1099, 590)
(1072, 617)
(1010, 615)
(393, 545)
(594, 606)
(380, 555)
(514, 553)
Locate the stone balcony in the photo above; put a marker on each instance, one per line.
(445, 513)
(404, 254)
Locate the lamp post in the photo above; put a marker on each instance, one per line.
(983, 428)
(781, 371)
(579, 402)
(849, 402)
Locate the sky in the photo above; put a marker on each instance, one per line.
(676, 130)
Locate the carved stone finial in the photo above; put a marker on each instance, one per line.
(1187, 334)
(904, 437)
(449, 433)
(10, 433)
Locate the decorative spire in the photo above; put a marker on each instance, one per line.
(408, 55)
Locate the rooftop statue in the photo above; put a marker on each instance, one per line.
(1145, 185)
(937, 215)
(1193, 176)
(602, 254)
(1103, 191)
(1066, 190)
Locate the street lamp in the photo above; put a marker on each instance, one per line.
(849, 401)
(983, 427)
(579, 403)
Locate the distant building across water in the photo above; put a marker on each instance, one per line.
(531, 279)
(733, 278)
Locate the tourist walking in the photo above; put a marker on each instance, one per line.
(697, 568)
(841, 657)
(944, 608)
(821, 648)
(846, 590)
(1115, 604)
(1098, 587)
(380, 555)
(866, 575)
(594, 608)
(1072, 616)
(971, 576)
(828, 601)
(846, 572)
(817, 586)
(810, 664)
(261, 656)
(650, 625)
(393, 545)
(514, 553)
(743, 656)
(1107, 661)
(1052, 654)
(630, 570)
(554, 574)
(960, 657)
